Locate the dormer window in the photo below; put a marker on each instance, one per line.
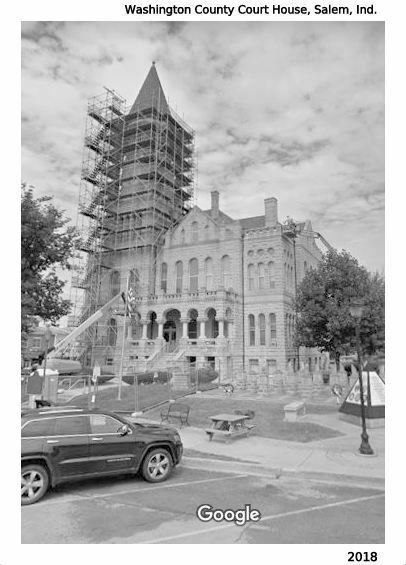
(195, 232)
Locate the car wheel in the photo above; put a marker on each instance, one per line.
(34, 483)
(157, 466)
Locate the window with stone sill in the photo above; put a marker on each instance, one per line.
(226, 271)
(251, 277)
(195, 232)
(208, 273)
(179, 277)
(261, 323)
(251, 326)
(164, 277)
(261, 275)
(271, 274)
(272, 328)
(193, 275)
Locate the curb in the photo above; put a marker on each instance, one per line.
(256, 469)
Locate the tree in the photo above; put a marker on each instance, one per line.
(46, 244)
(322, 306)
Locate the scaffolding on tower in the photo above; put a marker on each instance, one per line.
(137, 182)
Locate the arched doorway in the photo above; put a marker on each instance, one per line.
(192, 324)
(172, 329)
(212, 326)
(152, 330)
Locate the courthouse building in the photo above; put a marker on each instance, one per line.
(204, 288)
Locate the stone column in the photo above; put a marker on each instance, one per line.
(231, 329)
(221, 329)
(185, 322)
(161, 329)
(202, 333)
(144, 329)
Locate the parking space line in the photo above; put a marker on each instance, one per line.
(77, 497)
(263, 519)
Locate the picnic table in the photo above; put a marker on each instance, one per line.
(229, 426)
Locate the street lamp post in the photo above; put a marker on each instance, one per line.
(356, 309)
(45, 384)
(47, 335)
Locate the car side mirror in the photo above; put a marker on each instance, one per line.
(124, 430)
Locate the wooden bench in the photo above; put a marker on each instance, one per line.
(176, 411)
(294, 410)
(229, 426)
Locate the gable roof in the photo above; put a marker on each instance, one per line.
(151, 94)
(222, 217)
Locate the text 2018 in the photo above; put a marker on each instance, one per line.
(362, 556)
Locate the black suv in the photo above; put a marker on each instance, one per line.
(59, 445)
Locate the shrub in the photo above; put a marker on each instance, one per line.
(106, 373)
(163, 377)
(204, 375)
(142, 378)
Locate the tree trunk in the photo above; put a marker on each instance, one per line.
(337, 359)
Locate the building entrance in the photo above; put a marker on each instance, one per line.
(169, 334)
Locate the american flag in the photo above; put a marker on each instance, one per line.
(129, 301)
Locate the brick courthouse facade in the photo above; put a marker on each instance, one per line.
(208, 289)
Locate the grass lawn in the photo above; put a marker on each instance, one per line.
(149, 395)
(268, 418)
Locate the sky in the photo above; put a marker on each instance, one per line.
(293, 110)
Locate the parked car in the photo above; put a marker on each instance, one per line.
(64, 444)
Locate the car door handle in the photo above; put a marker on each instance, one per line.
(52, 440)
(97, 439)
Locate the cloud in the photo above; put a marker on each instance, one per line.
(287, 109)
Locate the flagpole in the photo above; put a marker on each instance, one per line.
(120, 382)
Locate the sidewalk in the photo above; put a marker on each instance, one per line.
(332, 457)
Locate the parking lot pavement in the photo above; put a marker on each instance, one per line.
(129, 510)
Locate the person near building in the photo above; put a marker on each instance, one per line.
(34, 387)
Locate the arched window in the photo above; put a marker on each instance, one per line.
(251, 277)
(195, 232)
(261, 275)
(212, 325)
(208, 273)
(114, 283)
(226, 271)
(271, 274)
(272, 328)
(182, 235)
(179, 277)
(133, 281)
(112, 332)
(206, 232)
(164, 277)
(251, 326)
(193, 275)
(261, 323)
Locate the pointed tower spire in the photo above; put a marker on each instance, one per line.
(151, 94)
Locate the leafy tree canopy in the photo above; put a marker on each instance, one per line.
(46, 245)
(322, 305)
